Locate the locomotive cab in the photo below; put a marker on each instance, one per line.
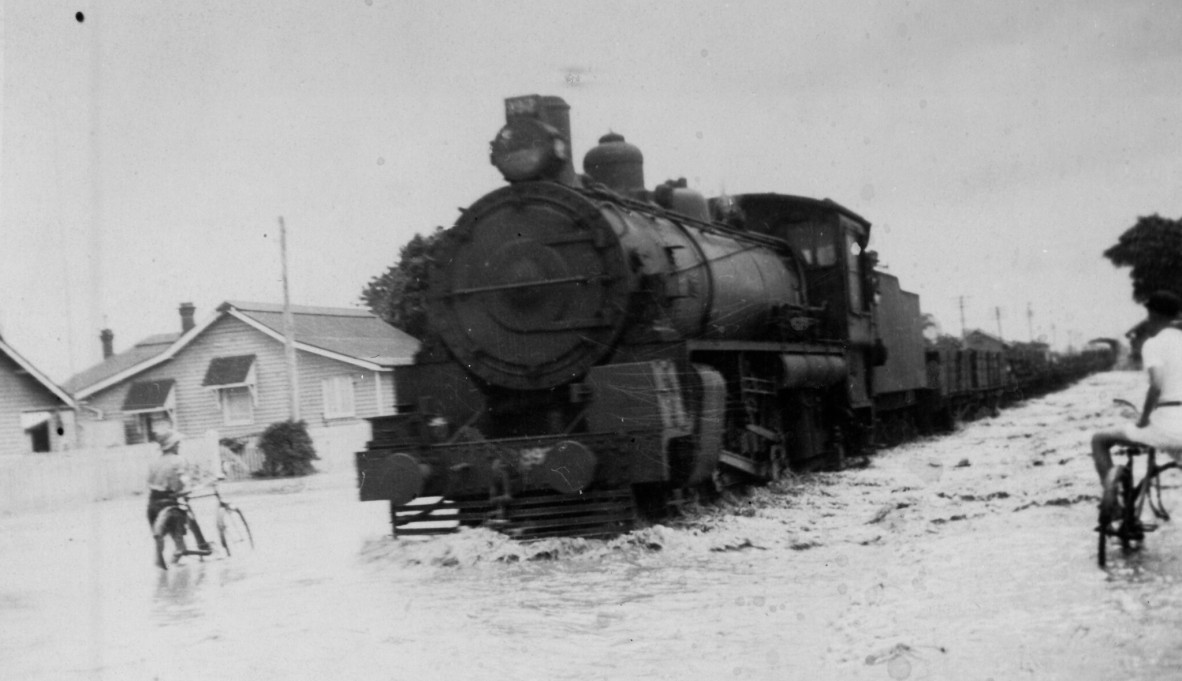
(830, 241)
(879, 322)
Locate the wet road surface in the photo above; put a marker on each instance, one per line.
(965, 557)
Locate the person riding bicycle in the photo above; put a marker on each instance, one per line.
(167, 477)
(1160, 425)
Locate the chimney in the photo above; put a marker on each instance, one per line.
(108, 338)
(187, 310)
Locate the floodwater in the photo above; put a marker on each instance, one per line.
(968, 557)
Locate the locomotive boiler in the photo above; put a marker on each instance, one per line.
(598, 347)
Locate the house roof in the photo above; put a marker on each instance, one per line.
(348, 335)
(33, 372)
(351, 332)
(140, 352)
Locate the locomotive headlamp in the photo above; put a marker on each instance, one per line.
(528, 149)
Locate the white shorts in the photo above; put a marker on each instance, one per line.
(1164, 431)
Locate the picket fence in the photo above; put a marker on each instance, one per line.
(41, 481)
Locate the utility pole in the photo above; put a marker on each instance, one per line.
(963, 331)
(1030, 321)
(96, 286)
(289, 332)
(997, 313)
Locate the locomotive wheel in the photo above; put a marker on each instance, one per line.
(652, 500)
(899, 427)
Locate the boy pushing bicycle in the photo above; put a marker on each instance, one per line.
(167, 478)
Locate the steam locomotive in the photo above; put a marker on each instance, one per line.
(601, 349)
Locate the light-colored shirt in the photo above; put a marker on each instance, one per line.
(167, 474)
(1163, 353)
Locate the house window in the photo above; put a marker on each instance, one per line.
(237, 406)
(338, 397)
(234, 380)
(36, 425)
(144, 427)
(146, 405)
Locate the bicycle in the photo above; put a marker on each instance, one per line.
(233, 531)
(1123, 501)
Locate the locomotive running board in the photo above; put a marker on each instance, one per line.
(591, 514)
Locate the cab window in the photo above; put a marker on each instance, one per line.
(815, 244)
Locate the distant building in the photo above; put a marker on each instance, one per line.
(229, 373)
(36, 415)
(980, 340)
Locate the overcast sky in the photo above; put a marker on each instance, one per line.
(148, 150)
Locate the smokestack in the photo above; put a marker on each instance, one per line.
(187, 310)
(535, 143)
(556, 112)
(108, 338)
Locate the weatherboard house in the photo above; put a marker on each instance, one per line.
(229, 373)
(36, 415)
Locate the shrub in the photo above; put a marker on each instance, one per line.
(287, 450)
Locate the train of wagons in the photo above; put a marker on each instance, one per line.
(600, 350)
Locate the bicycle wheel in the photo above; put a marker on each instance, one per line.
(1155, 501)
(235, 533)
(1116, 508)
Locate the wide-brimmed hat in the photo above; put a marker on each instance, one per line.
(169, 440)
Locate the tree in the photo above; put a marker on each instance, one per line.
(399, 295)
(287, 449)
(1153, 248)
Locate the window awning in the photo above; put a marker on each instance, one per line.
(32, 419)
(230, 372)
(149, 396)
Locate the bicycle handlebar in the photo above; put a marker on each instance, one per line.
(191, 493)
